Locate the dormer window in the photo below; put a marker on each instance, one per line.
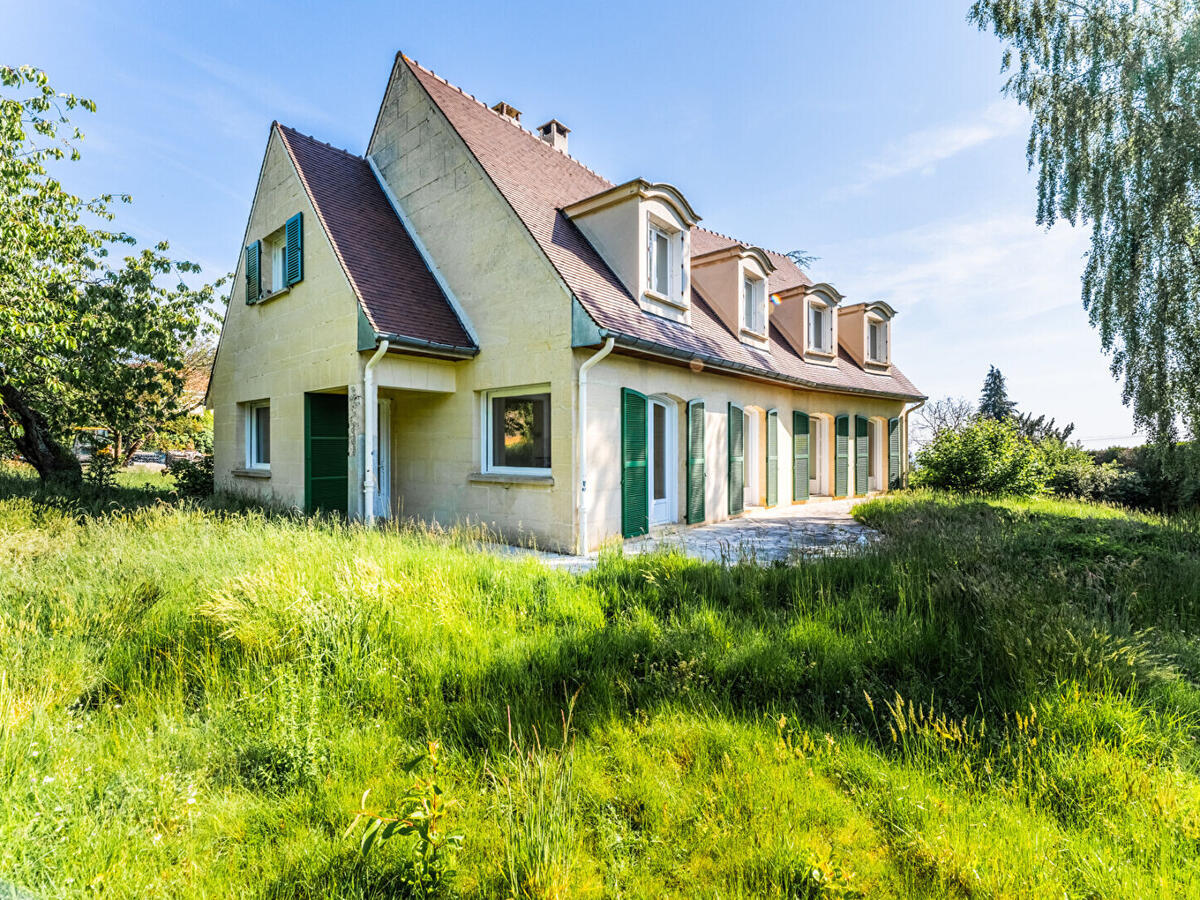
(877, 340)
(754, 305)
(660, 262)
(820, 326)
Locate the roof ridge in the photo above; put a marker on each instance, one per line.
(506, 119)
(314, 140)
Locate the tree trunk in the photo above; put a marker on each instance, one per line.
(29, 431)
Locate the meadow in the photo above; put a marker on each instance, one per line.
(998, 699)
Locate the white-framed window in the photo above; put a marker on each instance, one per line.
(666, 262)
(258, 434)
(877, 340)
(820, 327)
(754, 304)
(516, 432)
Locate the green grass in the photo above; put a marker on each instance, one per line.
(998, 700)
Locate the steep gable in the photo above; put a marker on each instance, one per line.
(538, 181)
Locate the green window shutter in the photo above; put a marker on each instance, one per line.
(326, 453)
(737, 460)
(695, 462)
(841, 456)
(294, 252)
(772, 457)
(800, 471)
(253, 272)
(635, 487)
(862, 454)
(893, 454)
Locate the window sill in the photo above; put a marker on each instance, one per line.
(828, 354)
(252, 473)
(511, 479)
(273, 294)
(656, 297)
(750, 333)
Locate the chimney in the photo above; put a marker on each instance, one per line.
(509, 111)
(554, 133)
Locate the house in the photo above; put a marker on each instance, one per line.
(467, 324)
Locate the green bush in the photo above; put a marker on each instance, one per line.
(985, 457)
(1073, 472)
(193, 479)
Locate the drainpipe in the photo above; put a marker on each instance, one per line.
(581, 543)
(904, 417)
(371, 412)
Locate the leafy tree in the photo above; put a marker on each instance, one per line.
(988, 456)
(75, 333)
(1112, 86)
(993, 401)
(801, 258)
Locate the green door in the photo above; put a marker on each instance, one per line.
(841, 456)
(326, 453)
(772, 457)
(800, 473)
(695, 462)
(635, 488)
(862, 455)
(737, 460)
(893, 454)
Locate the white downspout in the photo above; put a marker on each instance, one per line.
(905, 415)
(581, 543)
(371, 411)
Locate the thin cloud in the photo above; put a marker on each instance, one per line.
(920, 151)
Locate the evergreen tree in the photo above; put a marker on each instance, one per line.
(1115, 141)
(994, 402)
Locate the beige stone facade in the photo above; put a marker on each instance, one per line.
(525, 319)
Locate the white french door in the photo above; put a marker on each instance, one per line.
(751, 462)
(663, 459)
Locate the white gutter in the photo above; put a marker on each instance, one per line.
(904, 416)
(371, 414)
(581, 543)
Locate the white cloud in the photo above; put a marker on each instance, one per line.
(998, 290)
(921, 150)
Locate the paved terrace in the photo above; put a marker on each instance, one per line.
(762, 536)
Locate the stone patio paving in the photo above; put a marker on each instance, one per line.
(763, 536)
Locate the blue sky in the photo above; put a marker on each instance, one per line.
(873, 135)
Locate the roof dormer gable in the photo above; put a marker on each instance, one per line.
(642, 229)
(734, 281)
(867, 334)
(806, 315)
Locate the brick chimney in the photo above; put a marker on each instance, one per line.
(555, 133)
(507, 110)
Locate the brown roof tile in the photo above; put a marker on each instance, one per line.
(539, 181)
(395, 288)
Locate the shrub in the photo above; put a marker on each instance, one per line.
(986, 457)
(193, 478)
(1073, 472)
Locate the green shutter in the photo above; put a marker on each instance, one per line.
(772, 457)
(635, 487)
(841, 458)
(862, 455)
(893, 454)
(253, 272)
(695, 462)
(800, 472)
(294, 252)
(737, 460)
(326, 453)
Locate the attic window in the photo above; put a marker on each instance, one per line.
(877, 340)
(754, 305)
(666, 276)
(820, 327)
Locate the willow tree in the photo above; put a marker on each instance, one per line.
(1114, 89)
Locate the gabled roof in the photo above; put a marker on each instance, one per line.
(396, 291)
(539, 181)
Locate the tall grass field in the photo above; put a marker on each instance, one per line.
(996, 699)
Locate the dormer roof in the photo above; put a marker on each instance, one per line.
(540, 184)
(640, 187)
